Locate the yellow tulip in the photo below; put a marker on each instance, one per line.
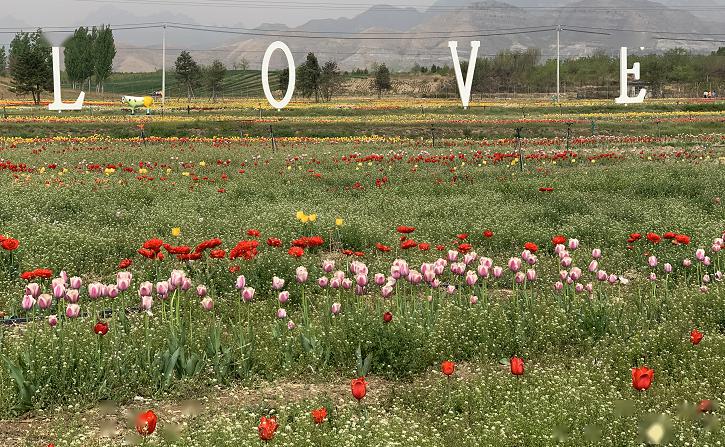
(202, 163)
(339, 222)
(300, 215)
(313, 217)
(176, 231)
(304, 219)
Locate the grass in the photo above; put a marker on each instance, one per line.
(82, 206)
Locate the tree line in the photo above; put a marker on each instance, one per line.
(88, 56)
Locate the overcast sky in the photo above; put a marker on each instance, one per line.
(249, 13)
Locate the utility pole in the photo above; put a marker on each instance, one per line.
(558, 63)
(163, 71)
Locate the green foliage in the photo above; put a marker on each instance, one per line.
(104, 51)
(188, 73)
(79, 56)
(214, 77)
(382, 79)
(309, 75)
(31, 64)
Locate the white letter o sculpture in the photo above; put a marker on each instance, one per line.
(265, 75)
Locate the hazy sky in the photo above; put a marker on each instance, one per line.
(249, 13)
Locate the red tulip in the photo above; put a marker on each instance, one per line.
(319, 415)
(10, 244)
(387, 317)
(359, 388)
(683, 239)
(558, 240)
(254, 233)
(100, 328)
(296, 252)
(654, 238)
(448, 367)
(706, 406)
(696, 337)
(381, 247)
(267, 427)
(146, 423)
(517, 366)
(124, 264)
(462, 236)
(488, 234)
(530, 246)
(642, 378)
(405, 230)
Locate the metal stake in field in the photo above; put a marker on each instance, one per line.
(433, 136)
(163, 71)
(568, 134)
(271, 134)
(518, 146)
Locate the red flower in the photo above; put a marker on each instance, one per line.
(296, 252)
(206, 245)
(669, 235)
(387, 317)
(254, 233)
(545, 189)
(274, 242)
(683, 239)
(408, 243)
(440, 247)
(319, 415)
(696, 337)
(146, 423)
(315, 241)
(124, 264)
(642, 378)
(146, 253)
(234, 268)
(37, 273)
(359, 254)
(654, 238)
(634, 237)
(424, 246)
(359, 388)
(488, 234)
(530, 246)
(448, 367)
(517, 366)
(244, 249)
(462, 236)
(381, 247)
(218, 254)
(706, 406)
(405, 230)
(465, 248)
(558, 240)
(100, 328)
(267, 427)
(10, 244)
(153, 244)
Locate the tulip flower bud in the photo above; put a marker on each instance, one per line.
(207, 304)
(28, 302)
(72, 310)
(291, 324)
(301, 274)
(112, 291)
(146, 287)
(473, 300)
(76, 283)
(33, 289)
(44, 301)
(147, 302)
(379, 279)
(336, 308)
(72, 295)
(201, 291)
(596, 253)
(248, 294)
(283, 297)
(277, 283)
(328, 266)
(241, 282)
(53, 320)
(281, 314)
(347, 284)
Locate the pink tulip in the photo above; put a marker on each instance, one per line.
(558, 286)
(471, 278)
(593, 266)
(596, 253)
(579, 288)
(277, 283)
(335, 283)
(147, 303)
(415, 278)
(328, 266)
(112, 291)
(72, 310)
(58, 291)
(652, 261)
(563, 274)
(32, 289)
(291, 324)
(177, 278)
(482, 271)
(704, 289)
(706, 262)
(473, 300)
(573, 244)
(602, 275)
(72, 295)
(386, 291)
(514, 264)
(44, 301)
(497, 272)
(323, 281)
(653, 276)
(207, 304)
(162, 289)
(520, 277)
(76, 283)
(613, 279)
(201, 291)
(95, 290)
(336, 308)
(686, 263)
(589, 287)
(379, 279)
(575, 273)
(241, 282)
(700, 254)
(469, 257)
(451, 289)
(435, 283)
(361, 280)
(283, 297)
(281, 314)
(123, 284)
(64, 277)
(705, 280)
(347, 283)
(248, 294)
(146, 288)
(53, 320)
(531, 275)
(301, 274)
(668, 267)
(486, 262)
(525, 255)
(566, 262)
(452, 255)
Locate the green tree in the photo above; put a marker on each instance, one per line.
(3, 61)
(104, 50)
(78, 56)
(330, 80)
(188, 73)
(213, 78)
(283, 79)
(31, 65)
(309, 75)
(382, 79)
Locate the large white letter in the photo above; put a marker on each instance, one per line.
(624, 71)
(279, 105)
(464, 87)
(57, 104)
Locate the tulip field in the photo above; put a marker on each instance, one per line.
(363, 274)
